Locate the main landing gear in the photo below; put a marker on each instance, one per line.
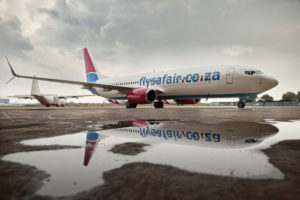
(158, 104)
(241, 104)
(131, 105)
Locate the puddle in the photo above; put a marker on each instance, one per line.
(227, 149)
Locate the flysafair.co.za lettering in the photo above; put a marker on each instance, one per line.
(179, 135)
(189, 78)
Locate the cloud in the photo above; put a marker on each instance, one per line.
(171, 26)
(137, 36)
(12, 41)
(237, 50)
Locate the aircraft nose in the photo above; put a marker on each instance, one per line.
(275, 82)
(269, 82)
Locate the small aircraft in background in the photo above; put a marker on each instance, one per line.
(47, 99)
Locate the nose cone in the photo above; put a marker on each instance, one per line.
(268, 83)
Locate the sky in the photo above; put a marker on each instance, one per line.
(45, 38)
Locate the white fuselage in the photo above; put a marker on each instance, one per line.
(203, 82)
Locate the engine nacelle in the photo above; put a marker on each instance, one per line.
(141, 96)
(187, 101)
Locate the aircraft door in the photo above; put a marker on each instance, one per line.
(230, 75)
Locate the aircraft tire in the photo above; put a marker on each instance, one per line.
(241, 104)
(158, 104)
(131, 105)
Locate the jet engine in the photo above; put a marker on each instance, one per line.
(141, 96)
(187, 101)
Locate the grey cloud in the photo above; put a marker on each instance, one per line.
(12, 41)
(62, 12)
(52, 13)
(143, 27)
(133, 32)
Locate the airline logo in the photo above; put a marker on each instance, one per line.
(179, 135)
(91, 74)
(173, 79)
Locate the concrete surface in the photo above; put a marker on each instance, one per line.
(143, 180)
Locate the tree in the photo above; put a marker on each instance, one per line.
(267, 98)
(298, 96)
(289, 96)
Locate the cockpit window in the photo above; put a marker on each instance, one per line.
(253, 72)
(250, 72)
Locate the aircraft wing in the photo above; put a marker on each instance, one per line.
(23, 96)
(73, 96)
(86, 85)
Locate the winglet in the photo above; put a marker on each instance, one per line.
(10, 80)
(11, 69)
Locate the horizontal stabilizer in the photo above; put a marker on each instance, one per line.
(22, 96)
(74, 96)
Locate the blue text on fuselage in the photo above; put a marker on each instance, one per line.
(173, 79)
(176, 134)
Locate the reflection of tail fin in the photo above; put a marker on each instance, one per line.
(91, 142)
(35, 90)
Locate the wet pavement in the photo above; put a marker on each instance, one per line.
(76, 161)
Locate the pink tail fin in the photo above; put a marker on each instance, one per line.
(91, 73)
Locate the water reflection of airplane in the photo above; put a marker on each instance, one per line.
(193, 133)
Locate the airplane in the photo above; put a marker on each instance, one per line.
(185, 85)
(46, 99)
(223, 135)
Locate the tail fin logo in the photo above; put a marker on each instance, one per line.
(91, 73)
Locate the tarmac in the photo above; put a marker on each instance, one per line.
(143, 179)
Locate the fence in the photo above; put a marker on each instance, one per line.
(274, 103)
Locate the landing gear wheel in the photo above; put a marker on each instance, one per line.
(158, 104)
(241, 104)
(131, 105)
